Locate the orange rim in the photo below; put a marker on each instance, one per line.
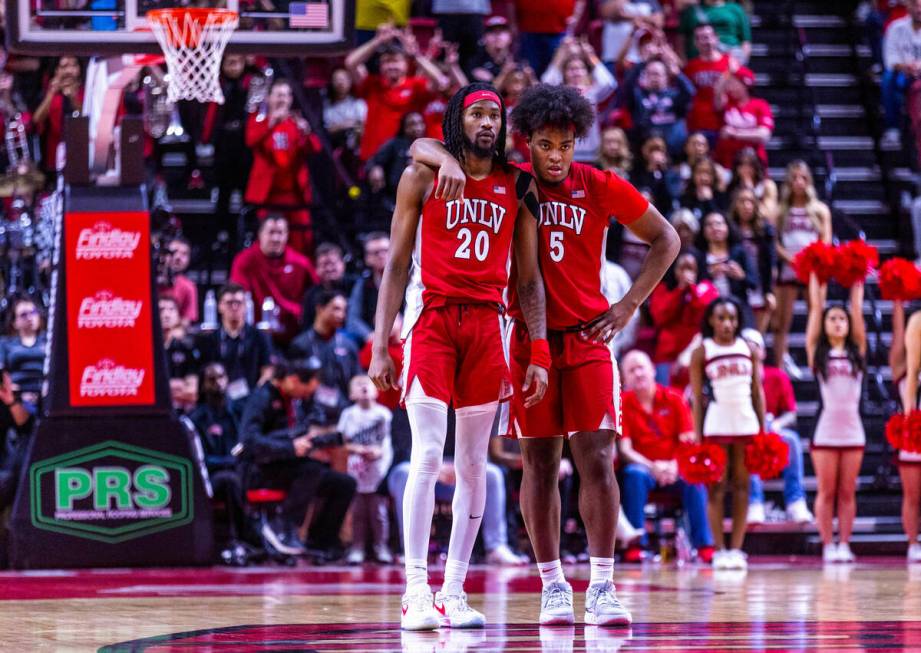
(201, 15)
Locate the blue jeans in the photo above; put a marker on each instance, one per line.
(792, 474)
(893, 89)
(495, 529)
(639, 482)
(663, 373)
(538, 49)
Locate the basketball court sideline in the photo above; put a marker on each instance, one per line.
(780, 604)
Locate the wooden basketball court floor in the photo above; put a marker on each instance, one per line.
(780, 604)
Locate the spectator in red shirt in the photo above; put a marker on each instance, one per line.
(391, 93)
(656, 423)
(677, 307)
(176, 284)
(705, 70)
(542, 26)
(281, 141)
(270, 268)
(747, 121)
(780, 417)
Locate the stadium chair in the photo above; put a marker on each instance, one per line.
(263, 504)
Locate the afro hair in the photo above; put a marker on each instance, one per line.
(552, 106)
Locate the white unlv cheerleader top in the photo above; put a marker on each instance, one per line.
(839, 423)
(730, 412)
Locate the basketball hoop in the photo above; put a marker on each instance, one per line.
(193, 41)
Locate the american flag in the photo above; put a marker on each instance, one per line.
(313, 15)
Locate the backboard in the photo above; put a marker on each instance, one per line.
(110, 27)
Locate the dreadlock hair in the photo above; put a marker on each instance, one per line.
(823, 348)
(544, 105)
(452, 125)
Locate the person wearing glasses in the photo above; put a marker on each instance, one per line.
(244, 351)
(23, 353)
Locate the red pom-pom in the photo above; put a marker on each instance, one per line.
(911, 435)
(819, 257)
(767, 455)
(854, 261)
(900, 279)
(895, 428)
(702, 463)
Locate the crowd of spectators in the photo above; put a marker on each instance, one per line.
(678, 115)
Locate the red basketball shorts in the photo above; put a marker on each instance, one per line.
(456, 354)
(583, 390)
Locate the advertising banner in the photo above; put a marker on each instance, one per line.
(110, 351)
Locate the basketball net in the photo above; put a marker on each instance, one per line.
(193, 42)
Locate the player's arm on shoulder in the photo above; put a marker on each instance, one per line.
(411, 195)
(451, 178)
(653, 229)
(530, 283)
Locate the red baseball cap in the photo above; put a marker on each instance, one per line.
(496, 22)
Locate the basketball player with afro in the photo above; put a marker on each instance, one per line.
(583, 392)
(452, 257)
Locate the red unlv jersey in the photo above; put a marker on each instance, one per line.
(574, 219)
(463, 248)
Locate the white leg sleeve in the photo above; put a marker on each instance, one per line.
(428, 419)
(471, 448)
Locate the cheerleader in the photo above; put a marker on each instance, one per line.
(836, 345)
(910, 463)
(803, 219)
(734, 414)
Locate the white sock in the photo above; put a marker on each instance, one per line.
(428, 419)
(551, 572)
(602, 570)
(455, 574)
(471, 449)
(417, 574)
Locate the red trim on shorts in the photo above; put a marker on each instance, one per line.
(728, 439)
(831, 447)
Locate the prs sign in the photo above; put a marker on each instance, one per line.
(111, 492)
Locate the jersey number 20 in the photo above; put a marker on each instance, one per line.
(480, 245)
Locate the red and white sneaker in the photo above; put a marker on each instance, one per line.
(454, 612)
(418, 610)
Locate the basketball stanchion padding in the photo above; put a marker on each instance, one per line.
(193, 42)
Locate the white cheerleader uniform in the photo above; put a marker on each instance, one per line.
(839, 425)
(799, 232)
(906, 457)
(730, 414)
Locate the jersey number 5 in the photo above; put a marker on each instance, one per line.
(556, 246)
(480, 245)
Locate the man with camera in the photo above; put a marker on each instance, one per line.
(277, 446)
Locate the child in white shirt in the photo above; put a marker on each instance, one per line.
(365, 427)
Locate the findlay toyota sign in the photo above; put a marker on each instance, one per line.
(111, 492)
